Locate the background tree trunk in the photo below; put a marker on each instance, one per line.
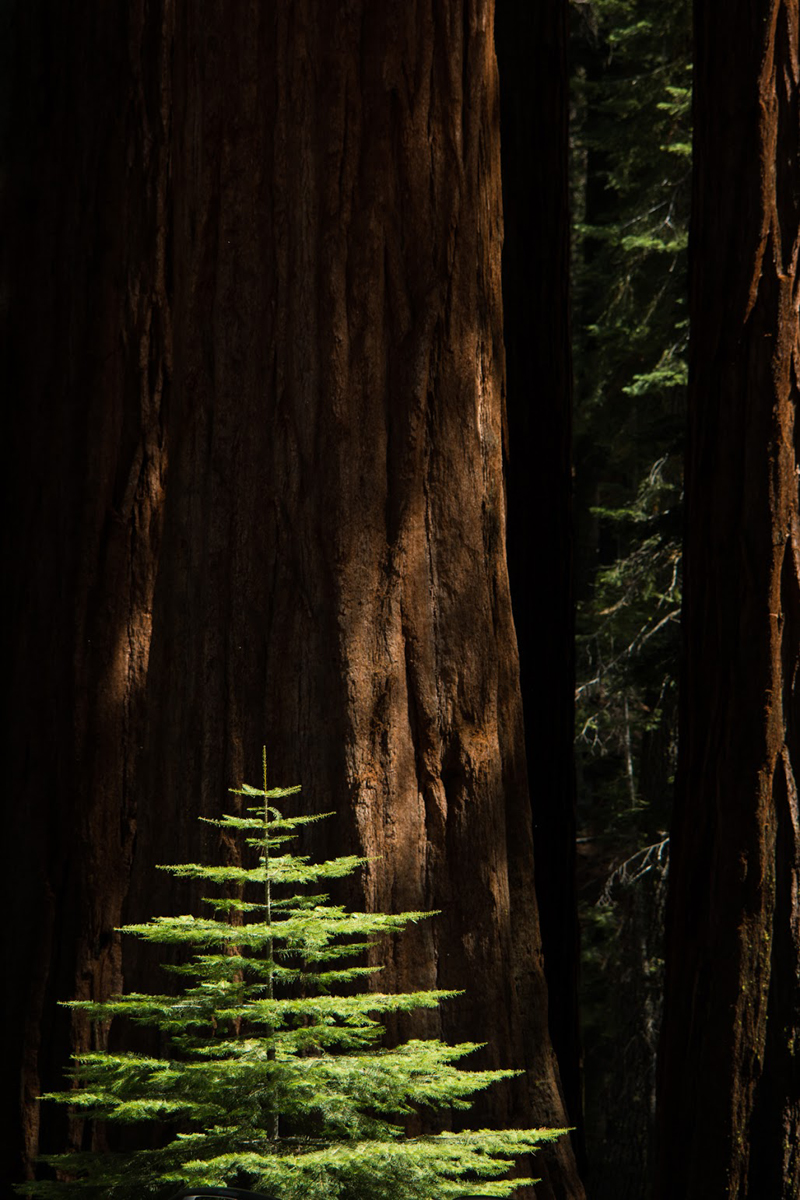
(729, 1068)
(257, 455)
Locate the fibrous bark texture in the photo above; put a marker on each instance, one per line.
(258, 462)
(730, 1054)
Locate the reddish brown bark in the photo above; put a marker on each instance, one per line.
(730, 1071)
(259, 445)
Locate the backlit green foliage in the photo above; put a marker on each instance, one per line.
(632, 165)
(631, 141)
(271, 1078)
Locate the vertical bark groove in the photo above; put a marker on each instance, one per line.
(535, 141)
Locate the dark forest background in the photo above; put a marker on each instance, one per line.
(412, 387)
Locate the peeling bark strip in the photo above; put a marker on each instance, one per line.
(270, 246)
(730, 1056)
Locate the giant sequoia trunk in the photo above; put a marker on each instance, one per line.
(730, 1068)
(257, 469)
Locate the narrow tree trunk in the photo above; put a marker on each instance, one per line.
(729, 1069)
(261, 456)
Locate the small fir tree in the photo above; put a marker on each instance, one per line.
(272, 1079)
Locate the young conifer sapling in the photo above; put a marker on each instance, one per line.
(272, 1078)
